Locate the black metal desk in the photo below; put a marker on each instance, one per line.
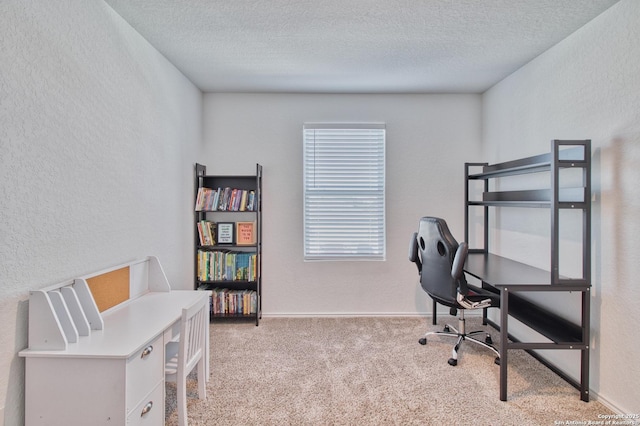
(508, 277)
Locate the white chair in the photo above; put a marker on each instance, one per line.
(183, 356)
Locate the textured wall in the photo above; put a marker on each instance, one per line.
(428, 139)
(586, 87)
(98, 135)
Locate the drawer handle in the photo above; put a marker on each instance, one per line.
(146, 408)
(146, 351)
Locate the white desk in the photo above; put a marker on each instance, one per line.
(113, 375)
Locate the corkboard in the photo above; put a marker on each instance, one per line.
(110, 289)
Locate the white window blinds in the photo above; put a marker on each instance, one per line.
(344, 182)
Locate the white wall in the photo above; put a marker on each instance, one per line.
(428, 138)
(98, 136)
(586, 87)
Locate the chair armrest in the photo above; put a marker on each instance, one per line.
(457, 268)
(458, 261)
(413, 251)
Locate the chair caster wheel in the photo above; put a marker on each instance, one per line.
(453, 362)
(446, 328)
(423, 341)
(488, 340)
(497, 360)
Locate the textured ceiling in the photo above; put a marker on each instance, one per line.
(353, 46)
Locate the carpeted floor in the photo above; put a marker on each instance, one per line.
(370, 371)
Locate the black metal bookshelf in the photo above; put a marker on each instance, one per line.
(229, 208)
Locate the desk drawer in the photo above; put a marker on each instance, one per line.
(144, 370)
(150, 410)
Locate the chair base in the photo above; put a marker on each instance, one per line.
(461, 335)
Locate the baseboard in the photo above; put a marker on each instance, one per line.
(468, 314)
(610, 405)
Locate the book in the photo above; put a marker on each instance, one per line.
(207, 232)
(251, 201)
(243, 201)
(201, 198)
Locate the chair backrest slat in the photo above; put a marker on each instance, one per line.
(192, 335)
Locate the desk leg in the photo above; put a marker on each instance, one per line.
(584, 353)
(207, 345)
(504, 339)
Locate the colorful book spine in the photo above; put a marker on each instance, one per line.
(217, 265)
(233, 302)
(225, 199)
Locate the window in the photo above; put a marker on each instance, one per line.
(344, 180)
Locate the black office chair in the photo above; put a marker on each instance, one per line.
(440, 261)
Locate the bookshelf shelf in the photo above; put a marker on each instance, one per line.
(228, 242)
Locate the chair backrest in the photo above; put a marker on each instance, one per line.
(436, 249)
(192, 336)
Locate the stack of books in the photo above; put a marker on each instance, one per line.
(229, 302)
(223, 265)
(226, 199)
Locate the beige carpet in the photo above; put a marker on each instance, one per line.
(370, 371)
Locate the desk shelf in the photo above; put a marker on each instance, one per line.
(575, 156)
(555, 328)
(508, 277)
